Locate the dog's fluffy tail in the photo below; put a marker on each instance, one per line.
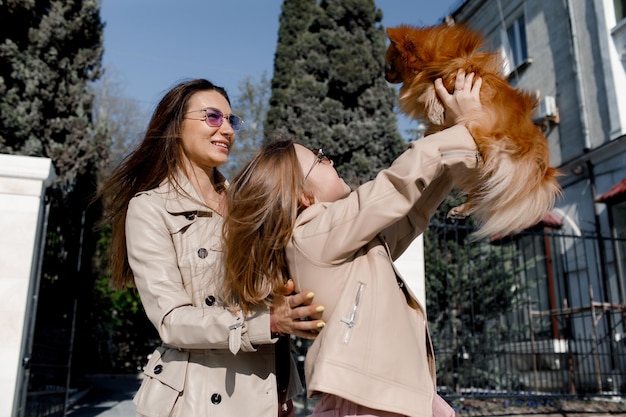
(513, 195)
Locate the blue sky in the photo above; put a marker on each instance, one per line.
(150, 45)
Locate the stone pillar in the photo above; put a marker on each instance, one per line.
(23, 215)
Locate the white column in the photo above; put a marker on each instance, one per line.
(411, 267)
(23, 181)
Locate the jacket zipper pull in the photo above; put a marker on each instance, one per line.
(351, 320)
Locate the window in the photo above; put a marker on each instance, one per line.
(615, 199)
(517, 41)
(514, 47)
(619, 216)
(618, 220)
(620, 9)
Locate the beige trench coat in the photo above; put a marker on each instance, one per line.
(375, 349)
(211, 363)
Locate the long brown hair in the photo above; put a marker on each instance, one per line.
(263, 203)
(157, 158)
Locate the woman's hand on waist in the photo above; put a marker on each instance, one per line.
(296, 314)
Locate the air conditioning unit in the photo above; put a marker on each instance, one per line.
(547, 107)
(547, 111)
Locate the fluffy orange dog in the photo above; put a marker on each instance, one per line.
(517, 186)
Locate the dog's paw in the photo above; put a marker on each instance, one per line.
(458, 213)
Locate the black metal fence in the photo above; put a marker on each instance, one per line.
(48, 368)
(541, 313)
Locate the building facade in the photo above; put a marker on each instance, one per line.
(572, 55)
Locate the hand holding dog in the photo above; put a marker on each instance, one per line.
(464, 101)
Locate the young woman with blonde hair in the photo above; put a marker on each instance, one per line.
(292, 217)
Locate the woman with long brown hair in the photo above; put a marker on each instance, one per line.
(165, 205)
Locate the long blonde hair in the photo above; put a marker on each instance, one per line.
(263, 202)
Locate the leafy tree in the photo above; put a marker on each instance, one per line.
(251, 104)
(121, 117)
(50, 55)
(328, 88)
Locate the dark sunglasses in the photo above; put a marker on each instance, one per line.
(215, 118)
(320, 158)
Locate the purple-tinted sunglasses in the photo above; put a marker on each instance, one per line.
(215, 118)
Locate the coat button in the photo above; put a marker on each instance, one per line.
(210, 300)
(216, 399)
(202, 253)
(190, 216)
(158, 369)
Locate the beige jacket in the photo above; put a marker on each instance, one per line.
(212, 362)
(375, 349)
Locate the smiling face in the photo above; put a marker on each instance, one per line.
(323, 180)
(204, 146)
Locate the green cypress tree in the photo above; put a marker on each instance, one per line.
(49, 57)
(328, 88)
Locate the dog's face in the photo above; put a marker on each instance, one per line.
(413, 50)
(417, 56)
(394, 64)
(407, 56)
(401, 57)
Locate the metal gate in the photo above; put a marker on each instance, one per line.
(538, 314)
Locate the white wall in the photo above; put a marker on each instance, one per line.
(23, 181)
(411, 267)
